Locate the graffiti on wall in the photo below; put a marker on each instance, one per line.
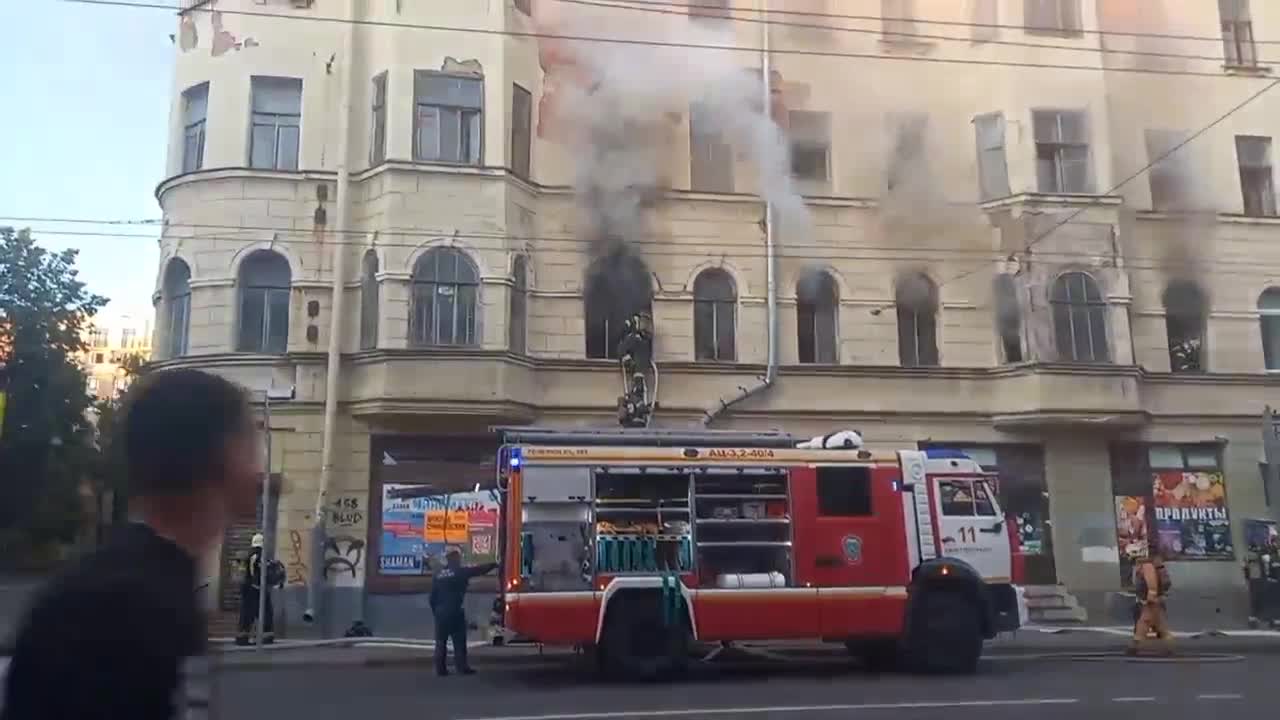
(347, 512)
(295, 567)
(343, 559)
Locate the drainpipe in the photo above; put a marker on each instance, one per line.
(334, 365)
(770, 251)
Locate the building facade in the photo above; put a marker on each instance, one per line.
(991, 256)
(111, 341)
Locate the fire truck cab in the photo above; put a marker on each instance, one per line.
(637, 543)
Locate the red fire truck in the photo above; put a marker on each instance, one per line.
(636, 543)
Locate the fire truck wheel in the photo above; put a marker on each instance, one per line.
(641, 648)
(946, 634)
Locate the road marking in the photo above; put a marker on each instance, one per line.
(1220, 696)
(1133, 699)
(784, 709)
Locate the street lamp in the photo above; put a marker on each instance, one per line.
(271, 394)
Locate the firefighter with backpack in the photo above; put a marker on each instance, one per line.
(1152, 585)
(250, 586)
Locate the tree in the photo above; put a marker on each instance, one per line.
(109, 477)
(46, 448)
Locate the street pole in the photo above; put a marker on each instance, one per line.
(266, 500)
(1271, 460)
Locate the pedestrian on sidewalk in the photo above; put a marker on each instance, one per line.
(448, 595)
(250, 589)
(120, 634)
(1151, 585)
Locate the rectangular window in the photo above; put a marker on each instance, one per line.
(897, 18)
(957, 498)
(521, 131)
(1170, 177)
(378, 121)
(127, 338)
(710, 156)
(908, 160)
(446, 118)
(1256, 183)
(993, 166)
(276, 123)
(1052, 17)
(844, 491)
(179, 324)
(264, 320)
(714, 9)
(1062, 151)
(524, 6)
(1238, 47)
(810, 145)
(195, 108)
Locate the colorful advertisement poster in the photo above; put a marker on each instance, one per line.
(402, 548)
(1131, 526)
(467, 521)
(1191, 515)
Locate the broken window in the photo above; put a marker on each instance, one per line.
(916, 298)
(195, 109)
(1256, 183)
(521, 132)
(446, 118)
(177, 307)
(710, 156)
(1079, 318)
(1269, 314)
(369, 301)
(519, 313)
(1238, 48)
(277, 123)
(617, 287)
(378, 138)
(1184, 315)
(446, 289)
(993, 166)
(1062, 152)
(1008, 313)
(1170, 176)
(810, 134)
(907, 163)
(817, 298)
(1055, 17)
(715, 306)
(897, 19)
(264, 282)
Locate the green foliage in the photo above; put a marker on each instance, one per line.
(47, 442)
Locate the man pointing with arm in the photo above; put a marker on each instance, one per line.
(448, 594)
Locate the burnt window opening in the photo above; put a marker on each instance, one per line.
(817, 299)
(1185, 310)
(265, 279)
(715, 310)
(1008, 313)
(1170, 174)
(617, 287)
(517, 332)
(369, 292)
(446, 289)
(916, 298)
(1079, 319)
(710, 154)
(810, 138)
(1269, 316)
(1257, 183)
(908, 160)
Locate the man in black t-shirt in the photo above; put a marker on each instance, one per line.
(120, 635)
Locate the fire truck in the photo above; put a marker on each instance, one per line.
(638, 543)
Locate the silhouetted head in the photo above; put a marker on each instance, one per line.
(453, 558)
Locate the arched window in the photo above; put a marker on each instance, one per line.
(817, 298)
(916, 298)
(715, 310)
(1079, 318)
(1269, 313)
(1185, 311)
(369, 301)
(617, 287)
(176, 294)
(1008, 312)
(518, 321)
(264, 303)
(446, 287)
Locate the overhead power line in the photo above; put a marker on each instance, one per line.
(969, 62)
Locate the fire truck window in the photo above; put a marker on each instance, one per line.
(844, 491)
(982, 498)
(957, 497)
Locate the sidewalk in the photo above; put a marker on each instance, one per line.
(1029, 643)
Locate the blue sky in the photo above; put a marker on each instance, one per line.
(83, 133)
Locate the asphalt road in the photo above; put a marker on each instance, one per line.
(1007, 688)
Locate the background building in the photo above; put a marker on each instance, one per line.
(111, 340)
(992, 257)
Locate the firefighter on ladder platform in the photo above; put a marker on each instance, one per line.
(635, 353)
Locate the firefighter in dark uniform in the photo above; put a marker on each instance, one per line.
(448, 593)
(250, 586)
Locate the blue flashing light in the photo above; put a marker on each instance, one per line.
(945, 454)
(514, 463)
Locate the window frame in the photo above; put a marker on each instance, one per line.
(263, 344)
(1266, 315)
(422, 337)
(1100, 307)
(193, 130)
(722, 311)
(809, 312)
(1068, 18)
(989, 153)
(370, 300)
(1055, 150)
(1264, 204)
(1239, 46)
(711, 157)
(801, 145)
(470, 121)
(277, 122)
(177, 308)
(378, 120)
(521, 132)
(924, 350)
(518, 306)
(602, 310)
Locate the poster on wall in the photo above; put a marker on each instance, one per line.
(1191, 515)
(402, 548)
(467, 521)
(1131, 527)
